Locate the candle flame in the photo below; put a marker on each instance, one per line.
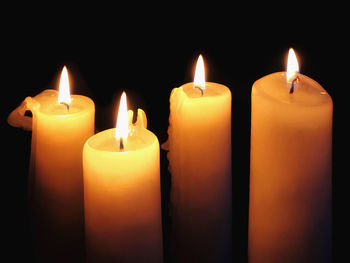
(292, 66)
(63, 92)
(199, 76)
(122, 127)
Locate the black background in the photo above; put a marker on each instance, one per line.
(147, 51)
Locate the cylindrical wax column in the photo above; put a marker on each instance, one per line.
(290, 177)
(199, 156)
(58, 137)
(122, 196)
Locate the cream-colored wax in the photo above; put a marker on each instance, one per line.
(199, 156)
(290, 177)
(56, 177)
(122, 196)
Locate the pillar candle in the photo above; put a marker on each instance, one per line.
(290, 171)
(199, 146)
(122, 193)
(59, 131)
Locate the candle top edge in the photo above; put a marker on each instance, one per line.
(211, 90)
(48, 104)
(105, 141)
(274, 87)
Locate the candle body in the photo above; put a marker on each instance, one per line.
(199, 156)
(58, 137)
(290, 177)
(122, 198)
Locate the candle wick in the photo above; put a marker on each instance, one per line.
(121, 144)
(198, 87)
(296, 80)
(66, 104)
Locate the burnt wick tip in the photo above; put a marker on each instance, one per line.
(296, 80)
(198, 87)
(66, 104)
(121, 144)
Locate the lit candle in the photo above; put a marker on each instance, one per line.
(199, 156)
(290, 169)
(122, 192)
(60, 125)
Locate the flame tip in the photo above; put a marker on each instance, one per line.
(199, 76)
(292, 65)
(63, 92)
(122, 125)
